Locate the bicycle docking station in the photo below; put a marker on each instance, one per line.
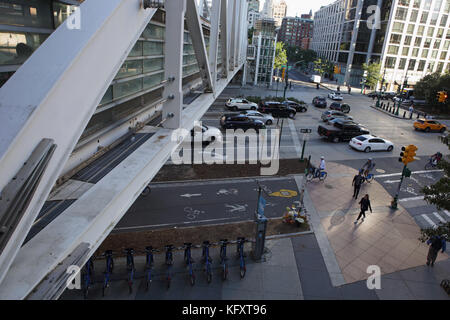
(261, 227)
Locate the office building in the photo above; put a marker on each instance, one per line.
(297, 31)
(279, 12)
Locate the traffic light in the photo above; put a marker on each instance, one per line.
(441, 96)
(282, 73)
(407, 154)
(336, 69)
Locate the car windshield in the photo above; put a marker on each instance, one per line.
(321, 99)
(361, 138)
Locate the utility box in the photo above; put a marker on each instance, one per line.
(315, 79)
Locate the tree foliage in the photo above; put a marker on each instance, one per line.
(428, 87)
(373, 74)
(303, 57)
(323, 66)
(280, 56)
(439, 195)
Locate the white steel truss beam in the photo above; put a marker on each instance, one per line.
(55, 92)
(224, 38)
(173, 63)
(214, 39)
(232, 15)
(198, 42)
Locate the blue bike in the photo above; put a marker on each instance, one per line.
(131, 270)
(188, 259)
(169, 263)
(223, 258)
(108, 271)
(240, 250)
(149, 264)
(207, 260)
(316, 174)
(88, 277)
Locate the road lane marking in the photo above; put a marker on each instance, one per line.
(399, 174)
(447, 213)
(429, 221)
(439, 217)
(412, 198)
(174, 224)
(295, 137)
(188, 195)
(391, 181)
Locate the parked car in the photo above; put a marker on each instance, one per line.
(277, 109)
(388, 95)
(335, 96)
(297, 106)
(332, 114)
(240, 104)
(240, 121)
(209, 134)
(319, 102)
(343, 107)
(342, 131)
(256, 115)
(369, 143)
(429, 125)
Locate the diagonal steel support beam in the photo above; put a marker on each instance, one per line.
(55, 95)
(224, 39)
(214, 39)
(196, 32)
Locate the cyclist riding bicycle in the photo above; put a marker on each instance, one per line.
(321, 166)
(435, 158)
(368, 166)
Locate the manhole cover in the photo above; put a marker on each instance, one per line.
(329, 186)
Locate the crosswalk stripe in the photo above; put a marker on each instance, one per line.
(412, 198)
(427, 219)
(439, 217)
(447, 213)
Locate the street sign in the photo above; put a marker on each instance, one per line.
(305, 130)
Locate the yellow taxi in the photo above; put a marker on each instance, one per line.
(429, 125)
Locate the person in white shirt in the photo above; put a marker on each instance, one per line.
(321, 166)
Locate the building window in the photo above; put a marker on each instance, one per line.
(402, 64)
(414, 15)
(443, 20)
(434, 18)
(15, 47)
(398, 27)
(407, 41)
(430, 31)
(418, 41)
(420, 30)
(424, 53)
(437, 44)
(410, 29)
(443, 55)
(427, 5)
(440, 67)
(421, 66)
(393, 49)
(412, 64)
(424, 17)
(404, 3)
(401, 14)
(390, 62)
(434, 54)
(416, 4)
(427, 43)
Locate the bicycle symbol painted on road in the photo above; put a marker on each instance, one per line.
(192, 214)
(236, 208)
(227, 192)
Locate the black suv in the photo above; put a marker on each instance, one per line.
(240, 121)
(297, 106)
(320, 102)
(343, 107)
(277, 109)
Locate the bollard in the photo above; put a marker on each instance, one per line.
(404, 114)
(417, 115)
(389, 104)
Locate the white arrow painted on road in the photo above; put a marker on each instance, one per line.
(188, 195)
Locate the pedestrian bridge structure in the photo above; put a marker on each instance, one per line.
(112, 69)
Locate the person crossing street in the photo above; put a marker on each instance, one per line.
(436, 243)
(356, 183)
(365, 204)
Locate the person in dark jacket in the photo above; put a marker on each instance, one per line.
(437, 243)
(356, 183)
(365, 204)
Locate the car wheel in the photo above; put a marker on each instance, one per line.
(253, 108)
(390, 148)
(367, 149)
(415, 129)
(269, 122)
(336, 139)
(234, 108)
(427, 129)
(442, 130)
(303, 110)
(346, 110)
(291, 115)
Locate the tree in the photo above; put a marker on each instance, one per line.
(439, 195)
(280, 56)
(428, 87)
(322, 66)
(373, 74)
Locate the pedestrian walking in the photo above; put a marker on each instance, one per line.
(436, 243)
(365, 204)
(349, 89)
(290, 85)
(338, 89)
(411, 110)
(356, 183)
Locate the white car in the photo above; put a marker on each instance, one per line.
(240, 104)
(369, 143)
(209, 134)
(256, 115)
(335, 96)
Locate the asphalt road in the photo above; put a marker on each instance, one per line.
(207, 202)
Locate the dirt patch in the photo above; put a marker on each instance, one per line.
(177, 236)
(220, 171)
